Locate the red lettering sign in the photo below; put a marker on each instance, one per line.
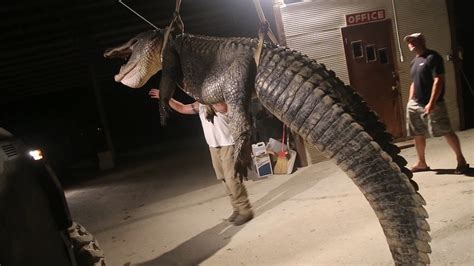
(364, 17)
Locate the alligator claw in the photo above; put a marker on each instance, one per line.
(210, 113)
(241, 170)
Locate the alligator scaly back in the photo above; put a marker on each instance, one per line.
(314, 103)
(309, 99)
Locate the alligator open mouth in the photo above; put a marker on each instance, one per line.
(142, 55)
(124, 71)
(122, 52)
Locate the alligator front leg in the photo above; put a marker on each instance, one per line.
(171, 75)
(166, 92)
(210, 113)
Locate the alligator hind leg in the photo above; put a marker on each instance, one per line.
(239, 79)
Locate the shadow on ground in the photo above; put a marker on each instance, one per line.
(469, 172)
(207, 243)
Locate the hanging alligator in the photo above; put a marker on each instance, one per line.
(304, 95)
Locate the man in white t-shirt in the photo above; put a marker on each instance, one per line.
(221, 147)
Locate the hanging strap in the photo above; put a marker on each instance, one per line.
(176, 20)
(263, 31)
(263, 20)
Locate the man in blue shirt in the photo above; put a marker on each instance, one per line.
(426, 110)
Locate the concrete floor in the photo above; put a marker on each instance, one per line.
(169, 211)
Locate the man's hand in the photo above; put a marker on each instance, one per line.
(164, 106)
(429, 108)
(220, 107)
(154, 93)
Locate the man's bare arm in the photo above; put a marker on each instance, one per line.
(435, 92)
(411, 93)
(187, 109)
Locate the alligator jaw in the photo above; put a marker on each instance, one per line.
(124, 70)
(143, 54)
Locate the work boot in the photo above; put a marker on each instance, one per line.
(243, 218)
(232, 216)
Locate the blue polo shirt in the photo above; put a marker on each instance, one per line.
(423, 70)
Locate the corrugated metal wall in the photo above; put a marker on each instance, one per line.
(431, 18)
(314, 28)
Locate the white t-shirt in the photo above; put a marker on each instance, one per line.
(217, 134)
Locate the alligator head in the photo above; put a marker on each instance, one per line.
(142, 53)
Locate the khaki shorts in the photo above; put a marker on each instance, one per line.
(435, 124)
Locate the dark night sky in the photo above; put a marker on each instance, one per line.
(52, 60)
(66, 118)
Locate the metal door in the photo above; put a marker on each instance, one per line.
(369, 56)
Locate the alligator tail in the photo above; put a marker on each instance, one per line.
(314, 103)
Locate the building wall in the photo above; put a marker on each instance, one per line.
(314, 28)
(431, 18)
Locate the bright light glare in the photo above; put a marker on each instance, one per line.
(36, 154)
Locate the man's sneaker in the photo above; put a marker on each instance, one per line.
(232, 216)
(243, 218)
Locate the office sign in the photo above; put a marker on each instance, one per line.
(365, 17)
